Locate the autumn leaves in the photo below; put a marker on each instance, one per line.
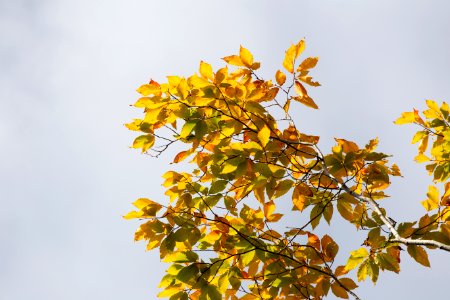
(216, 231)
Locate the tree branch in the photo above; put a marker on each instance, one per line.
(376, 208)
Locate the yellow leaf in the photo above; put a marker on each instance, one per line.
(291, 54)
(289, 59)
(246, 57)
(247, 258)
(406, 118)
(143, 202)
(421, 158)
(133, 215)
(234, 60)
(167, 292)
(173, 81)
(206, 70)
(433, 194)
(433, 105)
(433, 199)
(280, 77)
(135, 125)
(423, 144)
(198, 82)
(228, 168)
(151, 88)
(418, 136)
(356, 257)
(187, 129)
(183, 88)
(362, 271)
(264, 135)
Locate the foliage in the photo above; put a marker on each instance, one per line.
(218, 230)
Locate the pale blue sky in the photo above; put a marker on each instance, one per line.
(69, 70)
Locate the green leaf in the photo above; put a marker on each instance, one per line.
(374, 270)
(316, 215)
(179, 296)
(387, 262)
(329, 246)
(218, 186)
(283, 187)
(188, 274)
(328, 213)
(209, 292)
(212, 200)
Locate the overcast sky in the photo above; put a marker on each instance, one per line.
(68, 73)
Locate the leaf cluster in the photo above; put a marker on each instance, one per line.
(246, 158)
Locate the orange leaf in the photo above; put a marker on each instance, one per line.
(280, 77)
(339, 291)
(301, 191)
(419, 254)
(347, 146)
(308, 63)
(300, 89)
(313, 240)
(306, 101)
